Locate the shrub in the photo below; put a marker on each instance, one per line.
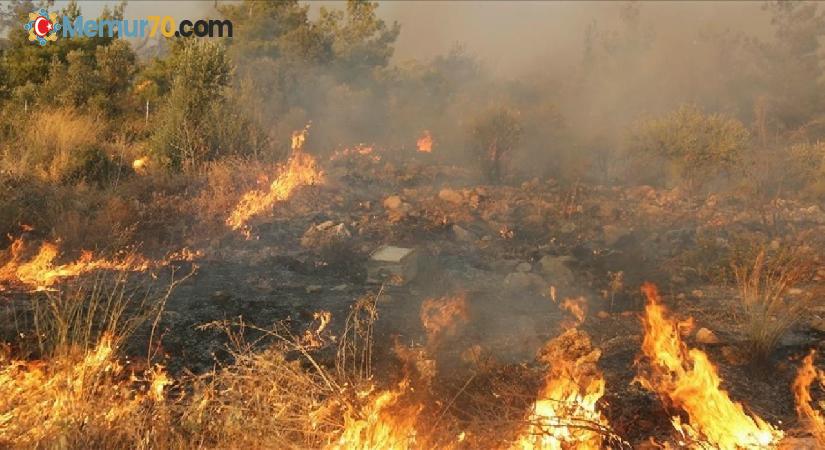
(697, 146)
(494, 135)
(192, 126)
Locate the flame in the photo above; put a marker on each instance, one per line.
(386, 422)
(425, 142)
(441, 317)
(577, 307)
(40, 398)
(300, 170)
(140, 165)
(565, 415)
(812, 417)
(688, 380)
(42, 272)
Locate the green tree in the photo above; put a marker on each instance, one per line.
(191, 125)
(697, 146)
(494, 136)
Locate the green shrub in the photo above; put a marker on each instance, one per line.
(696, 146)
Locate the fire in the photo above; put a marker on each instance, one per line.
(300, 170)
(577, 307)
(42, 271)
(386, 422)
(811, 416)
(688, 380)
(40, 398)
(442, 317)
(565, 415)
(425, 142)
(140, 165)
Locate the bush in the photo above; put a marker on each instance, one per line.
(494, 135)
(697, 147)
(192, 125)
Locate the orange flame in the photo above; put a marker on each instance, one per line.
(577, 307)
(425, 142)
(300, 170)
(41, 271)
(812, 417)
(442, 317)
(386, 422)
(565, 415)
(688, 380)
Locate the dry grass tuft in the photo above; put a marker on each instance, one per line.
(769, 294)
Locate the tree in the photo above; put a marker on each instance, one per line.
(187, 132)
(697, 146)
(494, 135)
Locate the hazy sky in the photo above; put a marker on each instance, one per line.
(509, 35)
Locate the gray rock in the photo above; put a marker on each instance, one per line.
(461, 234)
(524, 267)
(556, 271)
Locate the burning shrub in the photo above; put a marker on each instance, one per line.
(494, 135)
(765, 291)
(80, 400)
(565, 414)
(262, 400)
(698, 146)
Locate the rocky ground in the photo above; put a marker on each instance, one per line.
(510, 249)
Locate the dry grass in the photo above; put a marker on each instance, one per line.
(51, 140)
(769, 294)
(78, 395)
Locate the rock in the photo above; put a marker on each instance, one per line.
(393, 202)
(555, 269)
(568, 227)
(705, 336)
(524, 267)
(461, 234)
(394, 265)
(449, 195)
(613, 234)
(221, 296)
(524, 281)
(325, 234)
(697, 293)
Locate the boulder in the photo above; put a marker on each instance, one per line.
(525, 281)
(524, 267)
(556, 271)
(461, 234)
(393, 202)
(451, 196)
(706, 336)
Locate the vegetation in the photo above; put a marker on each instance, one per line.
(768, 289)
(696, 146)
